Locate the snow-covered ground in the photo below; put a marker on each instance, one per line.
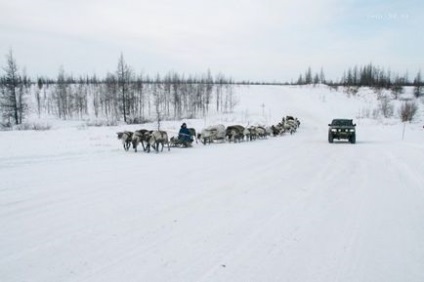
(74, 206)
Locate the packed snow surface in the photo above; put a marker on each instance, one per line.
(74, 206)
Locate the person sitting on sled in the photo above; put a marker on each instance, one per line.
(184, 135)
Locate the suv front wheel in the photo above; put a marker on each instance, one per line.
(330, 137)
(352, 138)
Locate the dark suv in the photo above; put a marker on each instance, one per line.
(342, 129)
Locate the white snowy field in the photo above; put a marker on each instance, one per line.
(74, 206)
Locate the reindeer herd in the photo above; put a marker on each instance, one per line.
(217, 133)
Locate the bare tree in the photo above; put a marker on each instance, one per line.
(397, 87)
(124, 78)
(408, 111)
(386, 106)
(38, 95)
(231, 101)
(209, 88)
(61, 93)
(81, 103)
(140, 90)
(220, 80)
(109, 97)
(157, 96)
(177, 95)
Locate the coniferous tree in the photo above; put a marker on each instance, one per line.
(316, 79)
(12, 101)
(300, 80)
(308, 76)
(418, 85)
(322, 76)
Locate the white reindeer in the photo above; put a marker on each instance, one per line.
(212, 133)
(155, 138)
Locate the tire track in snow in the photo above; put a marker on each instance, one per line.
(259, 238)
(373, 230)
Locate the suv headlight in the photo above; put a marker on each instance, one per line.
(333, 130)
(352, 130)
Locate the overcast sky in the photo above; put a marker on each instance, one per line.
(271, 40)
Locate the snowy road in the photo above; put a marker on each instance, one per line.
(292, 208)
(75, 207)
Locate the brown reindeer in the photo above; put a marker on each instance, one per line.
(139, 137)
(235, 133)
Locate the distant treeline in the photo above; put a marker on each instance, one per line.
(124, 95)
(121, 95)
(368, 75)
(357, 76)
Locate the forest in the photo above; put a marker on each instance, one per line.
(119, 96)
(127, 96)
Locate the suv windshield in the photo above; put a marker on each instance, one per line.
(342, 122)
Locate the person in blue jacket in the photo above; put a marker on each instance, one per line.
(184, 134)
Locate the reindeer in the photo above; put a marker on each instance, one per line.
(211, 133)
(277, 129)
(289, 124)
(126, 137)
(261, 132)
(268, 130)
(193, 134)
(234, 133)
(155, 138)
(247, 133)
(140, 136)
